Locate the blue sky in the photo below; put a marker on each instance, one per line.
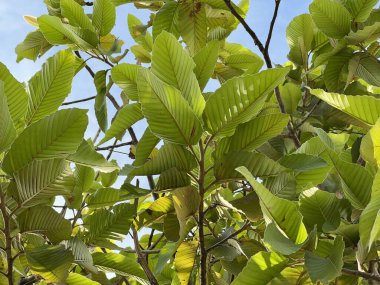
(13, 29)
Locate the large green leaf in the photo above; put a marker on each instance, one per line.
(320, 208)
(166, 19)
(283, 213)
(44, 220)
(86, 155)
(81, 253)
(33, 46)
(17, 98)
(360, 9)
(261, 269)
(57, 135)
(144, 147)
(77, 279)
(121, 264)
(42, 180)
(364, 108)
(50, 262)
(368, 69)
(258, 164)
(184, 260)
(174, 66)
(100, 106)
(110, 224)
(7, 128)
(168, 156)
(74, 12)
(124, 119)
(239, 100)
(49, 87)
(369, 224)
(300, 36)
(205, 61)
(368, 33)
(193, 24)
(169, 115)
(125, 76)
(331, 17)
(58, 33)
(256, 132)
(326, 262)
(103, 16)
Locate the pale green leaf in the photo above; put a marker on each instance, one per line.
(55, 136)
(103, 16)
(7, 128)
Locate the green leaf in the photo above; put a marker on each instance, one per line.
(360, 9)
(55, 136)
(86, 155)
(193, 24)
(100, 81)
(124, 119)
(33, 46)
(140, 33)
(185, 259)
(125, 76)
(42, 180)
(369, 223)
(331, 17)
(336, 72)
(103, 16)
(50, 262)
(283, 213)
(300, 36)
(172, 179)
(120, 264)
(368, 69)
(364, 108)
(81, 253)
(17, 98)
(77, 279)
(169, 115)
(166, 19)
(49, 87)
(144, 147)
(205, 61)
(367, 34)
(7, 128)
(356, 181)
(105, 197)
(180, 158)
(186, 202)
(174, 66)
(326, 262)
(261, 269)
(44, 220)
(320, 208)
(156, 211)
(58, 33)
(256, 132)
(239, 100)
(74, 12)
(291, 95)
(110, 224)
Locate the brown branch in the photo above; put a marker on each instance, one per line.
(140, 255)
(274, 18)
(109, 147)
(8, 238)
(79, 101)
(243, 228)
(202, 246)
(365, 275)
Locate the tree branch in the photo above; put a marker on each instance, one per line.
(365, 275)
(274, 18)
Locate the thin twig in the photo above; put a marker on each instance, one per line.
(79, 101)
(308, 115)
(274, 18)
(243, 228)
(109, 147)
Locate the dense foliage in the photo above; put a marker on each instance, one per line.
(272, 178)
